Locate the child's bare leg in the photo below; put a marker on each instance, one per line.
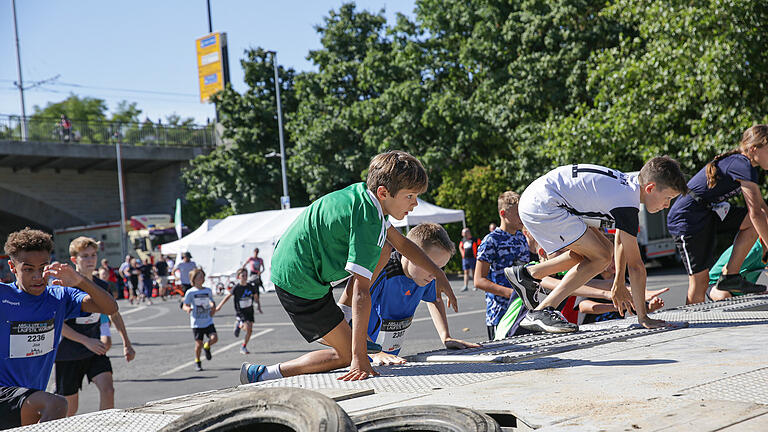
(717, 295)
(198, 348)
(697, 287)
(745, 239)
(556, 263)
(346, 296)
(340, 339)
(596, 256)
(248, 331)
(41, 407)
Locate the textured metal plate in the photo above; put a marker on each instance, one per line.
(113, 420)
(750, 386)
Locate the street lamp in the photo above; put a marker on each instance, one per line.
(285, 200)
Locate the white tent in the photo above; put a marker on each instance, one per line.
(428, 212)
(226, 247)
(180, 245)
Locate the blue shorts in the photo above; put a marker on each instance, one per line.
(467, 263)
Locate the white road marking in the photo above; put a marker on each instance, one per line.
(221, 350)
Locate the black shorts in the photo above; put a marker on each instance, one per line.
(11, 401)
(69, 374)
(245, 315)
(313, 318)
(205, 331)
(697, 250)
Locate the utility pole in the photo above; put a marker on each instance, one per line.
(121, 187)
(285, 200)
(20, 83)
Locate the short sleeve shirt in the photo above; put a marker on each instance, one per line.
(88, 325)
(30, 330)
(689, 215)
(200, 300)
(184, 268)
(243, 296)
(394, 299)
(339, 234)
(501, 249)
(596, 192)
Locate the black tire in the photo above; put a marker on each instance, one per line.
(433, 418)
(267, 410)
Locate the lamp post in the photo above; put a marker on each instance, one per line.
(285, 200)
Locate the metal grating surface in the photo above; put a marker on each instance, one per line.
(750, 386)
(113, 420)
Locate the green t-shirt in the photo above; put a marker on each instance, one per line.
(339, 234)
(753, 261)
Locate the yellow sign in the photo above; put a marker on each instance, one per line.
(211, 66)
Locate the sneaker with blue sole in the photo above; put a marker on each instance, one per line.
(250, 373)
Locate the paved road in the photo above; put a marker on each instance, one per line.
(164, 344)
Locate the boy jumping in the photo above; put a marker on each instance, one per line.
(557, 208)
(339, 236)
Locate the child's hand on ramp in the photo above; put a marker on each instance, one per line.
(452, 343)
(442, 286)
(358, 370)
(382, 358)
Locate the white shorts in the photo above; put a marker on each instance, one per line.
(551, 225)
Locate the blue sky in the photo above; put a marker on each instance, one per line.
(144, 51)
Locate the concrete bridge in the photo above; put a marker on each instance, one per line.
(50, 185)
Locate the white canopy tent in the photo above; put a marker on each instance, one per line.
(226, 247)
(428, 212)
(179, 246)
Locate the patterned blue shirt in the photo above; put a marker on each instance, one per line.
(501, 249)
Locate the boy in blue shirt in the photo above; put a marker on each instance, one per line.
(503, 247)
(338, 237)
(30, 330)
(399, 289)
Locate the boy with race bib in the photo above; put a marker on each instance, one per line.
(564, 209)
(399, 290)
(30, 329)
(245, 295)
(198, 303)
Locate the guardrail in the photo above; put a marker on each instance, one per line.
(108, 132)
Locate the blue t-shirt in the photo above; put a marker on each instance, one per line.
(394, 299)
(501, 249)
(689, 215)
(200, 300)
(30, 330)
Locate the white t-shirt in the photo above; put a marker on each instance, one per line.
(595, 192)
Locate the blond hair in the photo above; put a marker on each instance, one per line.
(429, 235)
(80, 244)
(396, 170)
(756, 136)
(193, 274)
(508, 199)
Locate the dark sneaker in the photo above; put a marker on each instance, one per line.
(738, 285)
(237, 329)
(524, 285)
(207, 350)
(372, 347)
(250, 373)
(547, 320)
(198, 366)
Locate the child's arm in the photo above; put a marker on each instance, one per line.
(213, 305)
(594, 308)
(224, 300)
(637, 277)
(120, 326)
(482, 282)
(619, 292)
(97, 300)
(94, 345)
(346, 296)
(439, 318)
(418, 257)
(360, 368)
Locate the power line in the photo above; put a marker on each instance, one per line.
(76, 85)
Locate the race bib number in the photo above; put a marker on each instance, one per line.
(31, 339)
(245, 302)
(721, 209)
(392, 334)
(90, 319)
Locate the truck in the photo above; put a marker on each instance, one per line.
(145, 234)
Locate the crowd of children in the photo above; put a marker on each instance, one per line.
(550, 245)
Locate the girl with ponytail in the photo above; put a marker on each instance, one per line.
(695, 219)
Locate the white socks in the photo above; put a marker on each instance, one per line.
(272, 372)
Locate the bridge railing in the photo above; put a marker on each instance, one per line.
(108, 132)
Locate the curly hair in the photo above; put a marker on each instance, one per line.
(28, 240)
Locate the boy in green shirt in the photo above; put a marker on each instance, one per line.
(339, 236)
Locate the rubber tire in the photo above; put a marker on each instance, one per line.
(281, 408)
(432, 418)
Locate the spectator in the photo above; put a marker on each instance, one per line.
(468, 248)
(147, 277)
(107, 273)
(184, 267)
(65, 128)
(161, 269)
